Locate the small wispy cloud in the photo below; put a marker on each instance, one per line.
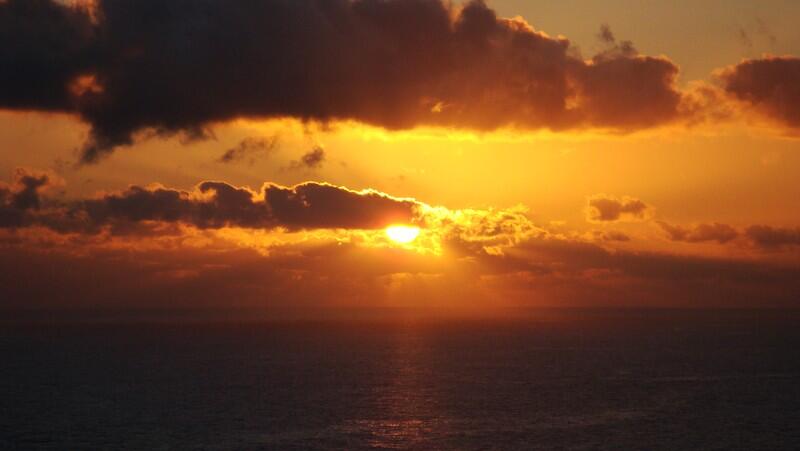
(313, 159)
(250, 149)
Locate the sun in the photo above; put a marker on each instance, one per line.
(402, 233)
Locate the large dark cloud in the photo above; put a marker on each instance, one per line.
(180, 65)
(44, 47)
(770, 85)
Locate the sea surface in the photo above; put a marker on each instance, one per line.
(566, 380)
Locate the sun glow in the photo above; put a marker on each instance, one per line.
(402, 234)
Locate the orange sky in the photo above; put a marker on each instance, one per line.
(607, 160)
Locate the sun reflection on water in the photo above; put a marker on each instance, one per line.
(407, 411)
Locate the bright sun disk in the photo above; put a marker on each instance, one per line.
(401, 233)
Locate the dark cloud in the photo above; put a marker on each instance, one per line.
(250, 149)
(606, 35)
(760, 236)
(577, 272)
(309, 205)
(178, 66)
(313, 159)
(44, 47)
(320, 205)
(609, 86)
(721, 233)
(614, 48)
(609, 90)
(768, 237)
(21, 195)
(306, 206)
(770, 85)
(605, 208)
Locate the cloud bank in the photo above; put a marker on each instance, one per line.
(318, 245)
(211, 205)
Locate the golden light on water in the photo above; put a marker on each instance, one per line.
(402, 233)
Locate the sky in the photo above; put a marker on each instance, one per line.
(234, 155)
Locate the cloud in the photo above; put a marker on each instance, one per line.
(769, 86)
(313, 159)
(21, 195)
(605, 208)
(759, 30)
(721, 233)
(210, 205)
(44, 47)
(575, 272)
(614, 48)
(308, 205)
(249, 148)
(606, 35)
(320, 205)
(609, 235)
(223, 246)
(772, 238)
(198, 269)
(764, 237)
(132, 66)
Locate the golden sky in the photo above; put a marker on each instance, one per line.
(237, 155)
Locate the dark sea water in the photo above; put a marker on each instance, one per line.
(569, 380)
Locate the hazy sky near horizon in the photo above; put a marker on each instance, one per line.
(221, 154)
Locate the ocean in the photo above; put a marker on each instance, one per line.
(560, 380)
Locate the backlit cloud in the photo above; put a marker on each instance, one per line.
(309, 205)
